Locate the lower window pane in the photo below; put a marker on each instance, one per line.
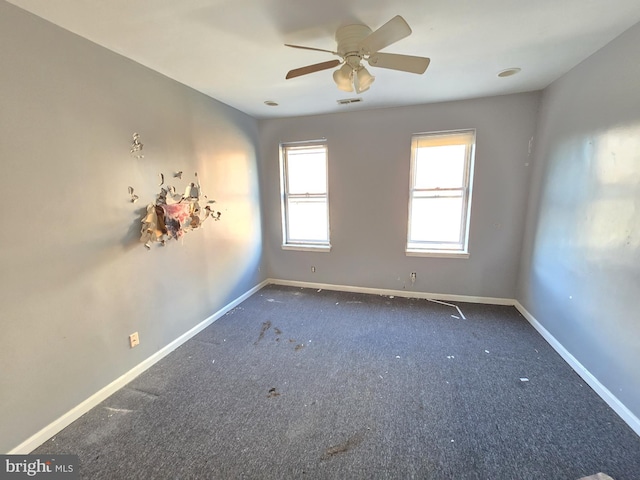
(307, 220)
(436, 219)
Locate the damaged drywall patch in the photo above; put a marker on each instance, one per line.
(174, 214)
(136, 147)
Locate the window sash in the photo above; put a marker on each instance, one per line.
(418, 203)
(317, 184)
(301, 208)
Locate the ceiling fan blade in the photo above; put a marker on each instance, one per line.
(392, 31)
(405, 63)
(310, 48)
(312, 68)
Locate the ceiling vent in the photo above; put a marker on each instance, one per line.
(347, 101)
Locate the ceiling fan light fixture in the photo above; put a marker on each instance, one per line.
(362, 80)
(344, 78)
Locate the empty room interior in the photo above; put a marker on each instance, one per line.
(434, 274)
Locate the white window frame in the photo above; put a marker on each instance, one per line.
(426, 248)
(308, 244)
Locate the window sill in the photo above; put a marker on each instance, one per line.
(435, 253)
(307, 248)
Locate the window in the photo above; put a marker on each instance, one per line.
(440, 196)
(305, 200)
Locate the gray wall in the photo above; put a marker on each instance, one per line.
(580, 274)
(74, 281)
(369, 156)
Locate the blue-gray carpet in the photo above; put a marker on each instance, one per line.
(299, 383)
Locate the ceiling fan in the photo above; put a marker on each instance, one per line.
(359, 42)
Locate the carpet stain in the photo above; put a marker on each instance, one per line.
(152, 395)
(292, 340)
(265, 326)
(273, 393)
(344, 447)
(277, 330)
(300, 346)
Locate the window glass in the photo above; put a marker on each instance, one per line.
(436, 219)
(307, 169)
(440, 167)
(307, 219)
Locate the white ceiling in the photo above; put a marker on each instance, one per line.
(232, 50)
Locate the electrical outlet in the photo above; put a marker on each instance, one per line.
(413, 277)
(313, 269)
(134, 340)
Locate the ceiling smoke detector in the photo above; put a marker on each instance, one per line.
(509, 71)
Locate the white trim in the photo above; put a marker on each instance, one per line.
(587, 376)
(306, 247)
(56, 426)
(449, 305)
(416, 252)
(59, 424)
(395, 293)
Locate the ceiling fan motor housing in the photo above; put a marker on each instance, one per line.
(348, 39)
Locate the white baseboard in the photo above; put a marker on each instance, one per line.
(587, 376)
(395, 293)
(580, 369)
(57, 425)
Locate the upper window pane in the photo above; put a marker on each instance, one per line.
(440, 167)
(307, 170)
